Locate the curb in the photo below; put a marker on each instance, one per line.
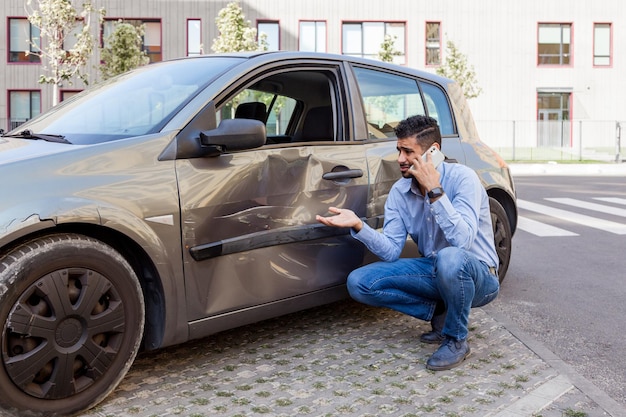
(539, 398)
(559, 385)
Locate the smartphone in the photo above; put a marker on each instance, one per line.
(436, 154)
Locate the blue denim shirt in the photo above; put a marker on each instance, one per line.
(460, 218)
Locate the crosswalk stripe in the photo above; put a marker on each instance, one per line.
(616, 211)
(608, 226)
(541, 229)
(614, 200)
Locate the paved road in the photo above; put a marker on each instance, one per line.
(566, 283)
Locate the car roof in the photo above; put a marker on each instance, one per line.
(272, 56)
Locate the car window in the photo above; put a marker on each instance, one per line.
(438, 107)
(274, 110)
(295, 105)
(387, 99)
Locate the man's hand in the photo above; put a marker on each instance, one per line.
(343, 218)
(425, 173)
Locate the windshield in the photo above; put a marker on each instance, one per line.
(137, 103)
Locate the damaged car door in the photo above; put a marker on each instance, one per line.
(249, 230)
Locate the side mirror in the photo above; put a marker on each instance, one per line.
(235, 135)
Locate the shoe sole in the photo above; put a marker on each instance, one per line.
(447, 367)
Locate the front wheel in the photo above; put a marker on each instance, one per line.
(502, 236)
(73, 314)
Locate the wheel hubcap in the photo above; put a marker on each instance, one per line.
(69, 332)
(63, 333)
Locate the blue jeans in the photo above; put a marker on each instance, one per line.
(414, 286)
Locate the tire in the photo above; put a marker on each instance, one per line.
(502, 236)
(72, 314)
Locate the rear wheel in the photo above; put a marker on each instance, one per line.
(73, 313)
(502, 236)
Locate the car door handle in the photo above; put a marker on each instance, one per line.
(342, 175)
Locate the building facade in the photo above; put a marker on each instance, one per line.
(551, 71)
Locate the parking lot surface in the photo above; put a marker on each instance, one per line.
(347, 359)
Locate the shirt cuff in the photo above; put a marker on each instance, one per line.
(364, 234)
(442, 209)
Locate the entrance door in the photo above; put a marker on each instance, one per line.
(553, 119)
(549, 127)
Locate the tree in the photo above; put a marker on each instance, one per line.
(235, 32)
(236, 35)
(61, 25)
(456, 67)
(387, 49)
(123, 50)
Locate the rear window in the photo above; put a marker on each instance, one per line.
(390, 98)
(387, 99)
(438, 107)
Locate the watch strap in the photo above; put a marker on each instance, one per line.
(435, 192)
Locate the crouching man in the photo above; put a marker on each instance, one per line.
(444, 209)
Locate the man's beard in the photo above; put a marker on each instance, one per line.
(406, 174)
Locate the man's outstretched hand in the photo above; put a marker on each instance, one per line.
(342, 218)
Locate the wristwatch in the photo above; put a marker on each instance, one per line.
(435, 193)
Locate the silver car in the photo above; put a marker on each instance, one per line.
(179, 200)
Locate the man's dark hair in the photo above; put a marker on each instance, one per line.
(425, 128)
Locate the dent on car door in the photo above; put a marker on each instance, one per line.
(249, 217)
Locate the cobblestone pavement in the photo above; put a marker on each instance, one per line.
(344, 359)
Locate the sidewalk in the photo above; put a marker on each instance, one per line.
(347, 359)
(607, 169)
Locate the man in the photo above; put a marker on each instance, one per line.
(446, 211)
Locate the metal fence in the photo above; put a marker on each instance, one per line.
(568, 140)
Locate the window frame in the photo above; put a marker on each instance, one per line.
(153, 55)
(67, 93)
(317, 30)
(596, 56)
(34, 56)
(562, 55)
(200, 49)
(275, 23)
(367, 77)
(10, 105)
(386, 24)
(291, 135)
(428, 44)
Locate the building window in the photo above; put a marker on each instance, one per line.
(312, 36)
(364, 39)
(553, 118)
(25, 42)
(23, 106)
(194, 37)
(554, 43)
(602, 41)
(151, 37)
(272, 33)
(67, 94)
(433, 43)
